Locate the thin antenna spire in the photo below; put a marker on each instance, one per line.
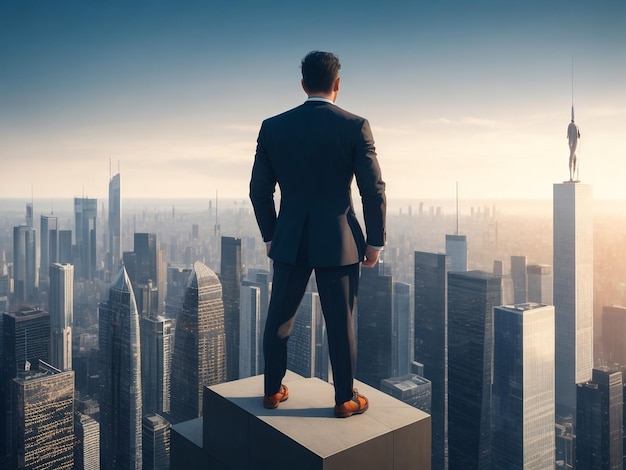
(457, 207)
(572, 88)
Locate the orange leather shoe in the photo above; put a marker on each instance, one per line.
(357, 405)
(272, 401)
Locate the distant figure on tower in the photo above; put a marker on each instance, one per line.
(573, 134)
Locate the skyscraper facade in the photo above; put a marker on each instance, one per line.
(520, 280)
(157, 339)
(199, 356)
(85, 213)
(402, 326)
(249, 325)
(431, 342)
(147, 265)
(599, 421)
(156, 443)
(87, 446)
(456, 249)
(230, 277)
(120, 378)
(61, 308)
(65, 247)
(24, 264)
(115, 223)
(374, 326)
(49, 244)
(539, 283)
(573, 290)
(613, 328)
(43, 419)
(471, 298)
(301, 349)
(523, 387)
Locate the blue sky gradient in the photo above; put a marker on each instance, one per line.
(476, 92)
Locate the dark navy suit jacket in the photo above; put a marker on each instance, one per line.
(313, 152)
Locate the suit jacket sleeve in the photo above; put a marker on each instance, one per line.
(262, 188)
(371, 186)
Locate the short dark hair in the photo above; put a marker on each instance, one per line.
(319, 71)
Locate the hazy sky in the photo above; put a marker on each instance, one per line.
(477, 92)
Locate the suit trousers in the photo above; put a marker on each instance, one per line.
(338, 289)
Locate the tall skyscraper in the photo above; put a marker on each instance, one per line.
(145, 265)
(24, 264)
(402, 329)
(157, 337)
(25, 338)
(523, 387)
(374, 327)
(87, 447)
(49, 244)
(85, 212)
(61, 308)
(65, 247)
(29, 214)
(539, 283)
(115, 223)
(199, 356)
(520, 281)
(302, 347)
(230, 277)
(120, 378)
(249, 325)
(156, 443)
(456, 249)
(471, 298)
(431, 343)
(599, 421)
(573, 291)
(43, 419)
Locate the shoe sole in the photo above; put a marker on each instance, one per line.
(347, 415)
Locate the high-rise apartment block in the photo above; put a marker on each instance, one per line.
(49, 244)
(613, 328)
(157, 340)
(156, 443)
(87, 446)
(523, 387)
(85, 213)
(249, 325)
(231, 277)
(456, 249)
(520, 279)
(120, 377)
(304, 344)
(115, 223)
(24, 264)
(471, 298)
(431, 342)
(199, 356)
(573, 291)
(43, 418)
(599, 421)
(61, 308)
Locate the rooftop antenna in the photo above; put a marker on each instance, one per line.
(457, 207)
(572, 88)
(217, 225)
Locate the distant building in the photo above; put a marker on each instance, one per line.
(599, 421)
(87, 446)
(471, 298)
(523, 387)
(61, 308)
(231, 277)
(24, 264)
(411, 389)
(120, 377)
(147, 273)
(456, 249)
(157, 340)
(573, 291)
(431, 342)
(304, 343)
(156, 443)
(43, 418)
(85, 213)
(199, 356)
(249, 326)
(520, 280)
(402, 329)
(539, 283)
(374, 326)
(65, 247)
(613, 328)
(115, 223)
(49, 250)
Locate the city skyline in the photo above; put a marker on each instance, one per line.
(477, 93)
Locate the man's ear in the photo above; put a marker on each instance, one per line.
(304, 87)
(336, 84)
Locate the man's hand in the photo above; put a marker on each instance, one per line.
(371, 257)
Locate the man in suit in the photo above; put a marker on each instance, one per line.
(313, 152)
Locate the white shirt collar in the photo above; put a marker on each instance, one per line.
(319, 98)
